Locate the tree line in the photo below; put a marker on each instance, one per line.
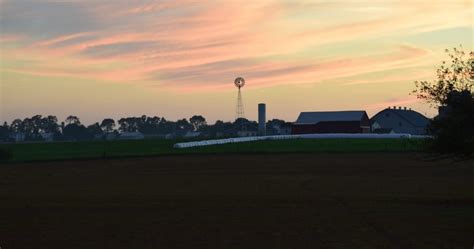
(36, 128)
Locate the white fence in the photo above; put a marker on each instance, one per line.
(303, 136)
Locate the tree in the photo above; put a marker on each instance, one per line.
(75, 132)
(4, 134)
(16, 126)
(274, 126)
(454, 75)
(183, 126)
(107, 125)
(36, 123)
(198, 122)
(31, 127)
(239, 122)
(454, 129)
(221, 128)
(94, 130)
(452, 93)
(72, 120)
(243, 123)
(166, 127)
(50, 124)
(128, 124)
(149, 125)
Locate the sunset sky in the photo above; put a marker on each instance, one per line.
(176, 58)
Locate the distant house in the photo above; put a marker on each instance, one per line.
(131, 136)
(332, 122)
(400, 121)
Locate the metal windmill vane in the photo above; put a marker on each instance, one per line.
(239, 82)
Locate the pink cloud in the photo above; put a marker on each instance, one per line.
(259, 35)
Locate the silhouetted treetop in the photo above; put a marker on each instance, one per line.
(107, 125)
(198, 122)
(456, 74)
(72, 120)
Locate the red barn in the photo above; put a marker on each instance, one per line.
(332, 122)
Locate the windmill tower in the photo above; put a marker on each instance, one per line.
(239, 82)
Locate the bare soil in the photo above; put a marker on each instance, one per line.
(353, 200)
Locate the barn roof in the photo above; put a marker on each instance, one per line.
(316, 117)
(413, 117)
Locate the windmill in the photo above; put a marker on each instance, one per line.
(239, 82)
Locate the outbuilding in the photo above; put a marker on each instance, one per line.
(331, 122)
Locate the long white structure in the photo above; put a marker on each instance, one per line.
(303, 136)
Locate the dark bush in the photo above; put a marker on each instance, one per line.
(454, 129)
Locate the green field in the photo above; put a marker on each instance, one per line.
(156, 147)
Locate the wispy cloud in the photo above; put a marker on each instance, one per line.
(190, 45)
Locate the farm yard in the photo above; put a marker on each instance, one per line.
(260, 200)
(22, 152)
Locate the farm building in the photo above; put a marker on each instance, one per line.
(400, 121)
(332, 122)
